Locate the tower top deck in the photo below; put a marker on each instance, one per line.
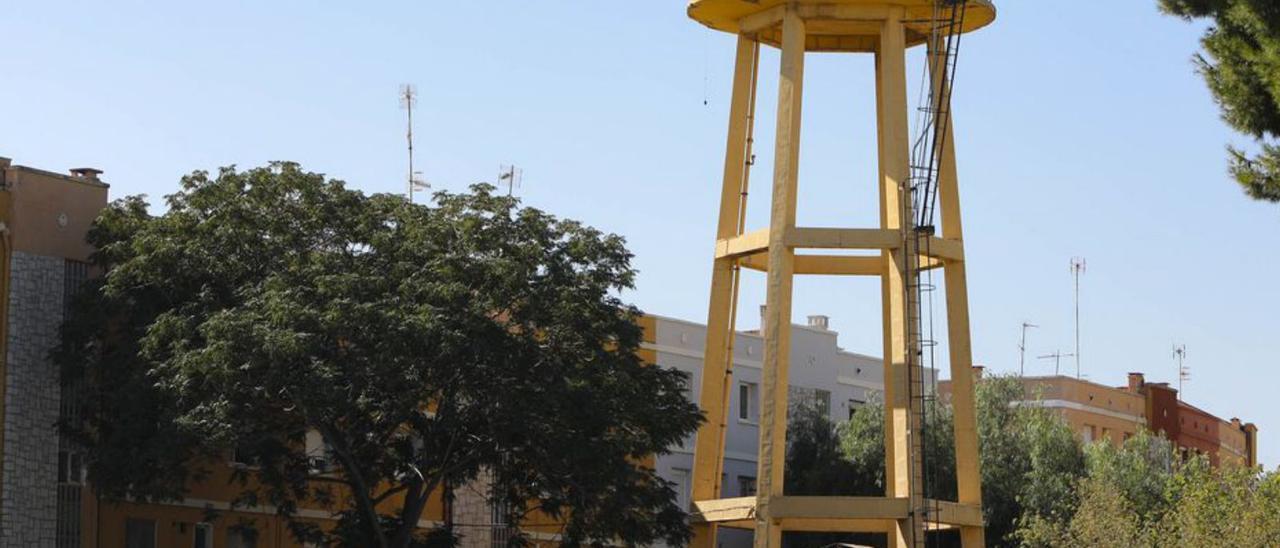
(831, 25)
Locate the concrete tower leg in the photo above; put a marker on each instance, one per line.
(902, 418)
(781, 268)
(717, 372)
(968, 462)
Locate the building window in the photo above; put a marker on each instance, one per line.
(242, 537)
(687, 443)
(203, 536)
(748, 402)
(319, 453)
(139, 533)
(1087, 433)
(746, 486)
(70, 467)
(822, 400)
(683, 486)
(244, 456)
(853, 407)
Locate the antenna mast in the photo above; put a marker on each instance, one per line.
(1056, 356)
(1077, 268)
(1022, 349)
(409, 98)
(1184, 374)
(511, 175)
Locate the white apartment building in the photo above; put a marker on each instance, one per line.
(832, 378)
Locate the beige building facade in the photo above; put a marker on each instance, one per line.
(1098, 412)
(44, 217)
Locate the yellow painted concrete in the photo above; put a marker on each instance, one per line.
(836, 25)
(717, 373)
(778, 283)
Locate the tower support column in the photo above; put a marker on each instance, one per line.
(781, 268)
(963, 405)
(717, 372)
(902, 415)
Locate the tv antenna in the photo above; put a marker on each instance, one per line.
(1022, 349)
(1077, 268)
(1184, 373)
(511, 175)
(1056, 356)
(409, 98)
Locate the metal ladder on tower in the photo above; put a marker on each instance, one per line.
(922, 188)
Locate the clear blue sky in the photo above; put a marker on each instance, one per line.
(1079, 133)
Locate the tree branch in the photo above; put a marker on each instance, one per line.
(360, 488)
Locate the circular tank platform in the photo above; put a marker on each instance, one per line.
(836, 25)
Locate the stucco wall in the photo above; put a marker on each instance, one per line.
(28, 507)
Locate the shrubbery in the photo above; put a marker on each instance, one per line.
(1040, 485)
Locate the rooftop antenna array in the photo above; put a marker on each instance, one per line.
(1056, 356)
(1077, 268)
(1184, 374)
(511, 176)
(1022, 348)
(409, 98)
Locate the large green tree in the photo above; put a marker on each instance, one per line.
(425, 345)
(1241, 64)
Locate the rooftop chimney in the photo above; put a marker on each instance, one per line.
(977, 372)
(86, 173)
(819, 321)
(1136, 381)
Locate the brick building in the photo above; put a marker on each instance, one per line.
(1101, 412)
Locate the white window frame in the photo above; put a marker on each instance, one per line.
(822, 401)
(684, 487)
(195, 534)
(749, 402)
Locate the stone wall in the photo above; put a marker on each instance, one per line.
(28, 507)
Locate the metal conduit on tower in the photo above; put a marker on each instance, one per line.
(915, 180)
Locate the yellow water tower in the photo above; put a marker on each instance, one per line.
(916, 174)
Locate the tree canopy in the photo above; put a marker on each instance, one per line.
(425, 345)
(1241, 64)
(1029, 458)
(1142, 493)
(1043, 487)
